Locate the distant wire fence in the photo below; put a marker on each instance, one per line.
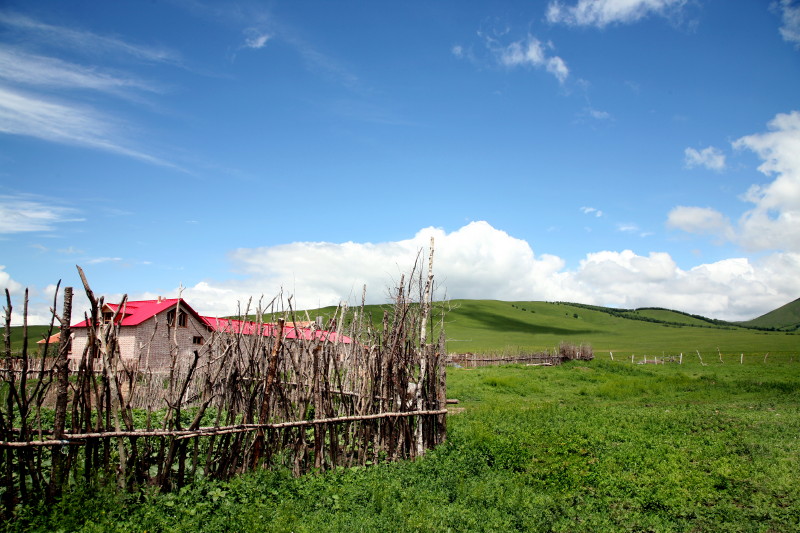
(246, 402)
(696, 356)
(564, 352)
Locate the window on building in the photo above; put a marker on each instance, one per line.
(107, 316)
(197, 340)
(171, 318)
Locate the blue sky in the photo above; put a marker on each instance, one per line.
(623, 153)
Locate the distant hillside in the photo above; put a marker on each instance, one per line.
(484, 326)
(784, 318)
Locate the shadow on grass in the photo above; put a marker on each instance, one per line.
(501, 323)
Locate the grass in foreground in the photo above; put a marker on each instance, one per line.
(595, 446)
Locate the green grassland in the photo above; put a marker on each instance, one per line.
(35, 334)
(490, 325)
(493, 326)
(587, 446)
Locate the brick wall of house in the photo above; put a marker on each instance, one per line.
(140, 344)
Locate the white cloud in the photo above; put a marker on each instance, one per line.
(98, 260)
(21, 214)
(712, 158)
(66, 123)
(27, 80)
(601, 13)
(479, 261)
(700, 220)
(773, 223)
(591, 211)
(256, 39)
(84, 41)
(790, 15)
(531, 52)
(7, 283)
(17, 66)
(597, 114)
(457, 50)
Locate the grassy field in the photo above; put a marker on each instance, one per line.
(490, 325)
(587, 446)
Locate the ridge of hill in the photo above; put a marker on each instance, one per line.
(494, 326)
(784, 318)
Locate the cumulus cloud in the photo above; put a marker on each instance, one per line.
(480, 261)
(711, 158)
(701, 221)
(773, 221)
(7, 283)
(601, 13)
(531, 52)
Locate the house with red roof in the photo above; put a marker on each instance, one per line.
(150, 332)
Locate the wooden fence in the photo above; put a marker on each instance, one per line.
(249, 401)
(565, 352)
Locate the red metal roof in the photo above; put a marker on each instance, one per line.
(136, 312)
(226, 325)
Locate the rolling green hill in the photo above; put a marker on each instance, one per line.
(486, 326)
(35, 334)
(786, 317)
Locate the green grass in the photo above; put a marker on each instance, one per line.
(587, 446)
(492, 326)
(35, 334)
(489, 325)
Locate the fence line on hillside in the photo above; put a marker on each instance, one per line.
(564, 352)
(647, 359)
(246, 402)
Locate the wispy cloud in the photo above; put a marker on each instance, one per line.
(98, 260)
(597, 114)
(20, 67)
(627, 227)
(85, 41)
(28, 80)
(530, 52)
(601, 13)
(65, 123)
(591, 211)
(711, 158)
(790, 17)
(255, 38)
(22, 214)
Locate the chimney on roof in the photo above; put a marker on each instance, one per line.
(159, 299)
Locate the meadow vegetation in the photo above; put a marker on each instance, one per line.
(586, 446)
